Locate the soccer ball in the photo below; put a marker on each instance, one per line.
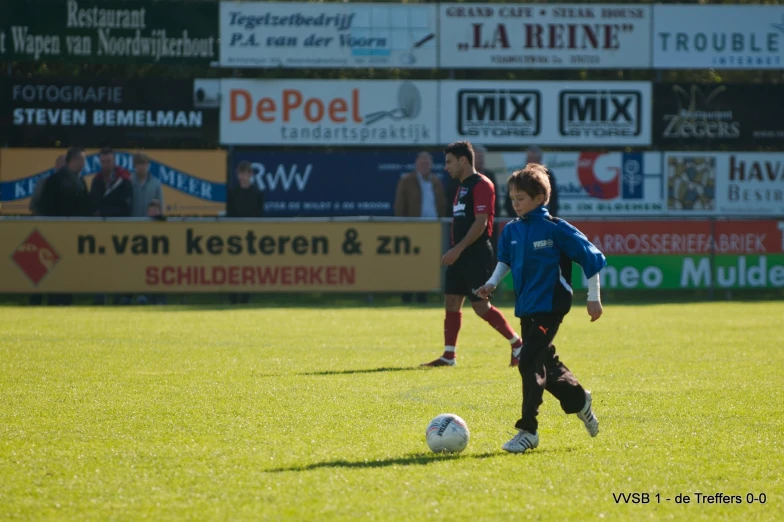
(447, 433)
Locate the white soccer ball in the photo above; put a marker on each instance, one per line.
(447, 433)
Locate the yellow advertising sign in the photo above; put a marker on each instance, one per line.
(150, 256)
(194, 181)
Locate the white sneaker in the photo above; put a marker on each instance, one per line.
(588, 418)
(522, 442)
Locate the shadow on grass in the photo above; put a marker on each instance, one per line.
(414, 459)
(369, 370)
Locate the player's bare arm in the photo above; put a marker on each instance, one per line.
(477, 228)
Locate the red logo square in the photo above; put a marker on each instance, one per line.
(35, 256)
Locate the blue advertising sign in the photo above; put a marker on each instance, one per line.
(322, 184)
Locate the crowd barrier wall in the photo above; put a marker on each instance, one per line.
(197, 256)
(694, 254)
(357, 254)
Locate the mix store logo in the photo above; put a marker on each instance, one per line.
(169, 176)
(600, 113)
(35, 256)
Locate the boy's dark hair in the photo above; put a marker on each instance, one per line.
(533, 180)
(244, 166)
(72, 153)
(460, 149)
(106, 150)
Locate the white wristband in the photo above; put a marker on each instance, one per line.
(593, 287)
(501, 270)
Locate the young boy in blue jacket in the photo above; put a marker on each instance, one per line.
(539, 249)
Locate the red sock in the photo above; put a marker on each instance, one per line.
(496, 319)
(452, 324)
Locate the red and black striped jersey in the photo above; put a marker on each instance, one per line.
(475, 195)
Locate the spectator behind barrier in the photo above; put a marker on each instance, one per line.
(59, 162)
(146, 188)
(65, 195)
(111, 192)
(244, 200)
(420, 194)
(39, 187)
(111, 195)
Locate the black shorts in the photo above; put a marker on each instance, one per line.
(471, 270)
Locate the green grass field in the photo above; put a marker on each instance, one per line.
(319, 413)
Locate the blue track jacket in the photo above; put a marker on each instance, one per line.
(540, 249)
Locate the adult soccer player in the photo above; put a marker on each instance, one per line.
(471, 260)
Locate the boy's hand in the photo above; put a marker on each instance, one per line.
(594, 310)
(484, 291)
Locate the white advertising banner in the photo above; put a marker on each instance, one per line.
(718, 36)
(328, 112)
(546, 113)
(596, 183)
(558, 36)
(308, 35)
(725, 183)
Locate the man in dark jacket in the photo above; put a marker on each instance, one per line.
(39, 187)
(244, 200)
(111, 193)
(37, 299)
(534, 155)
(65, 195)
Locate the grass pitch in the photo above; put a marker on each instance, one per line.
(318, 414)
